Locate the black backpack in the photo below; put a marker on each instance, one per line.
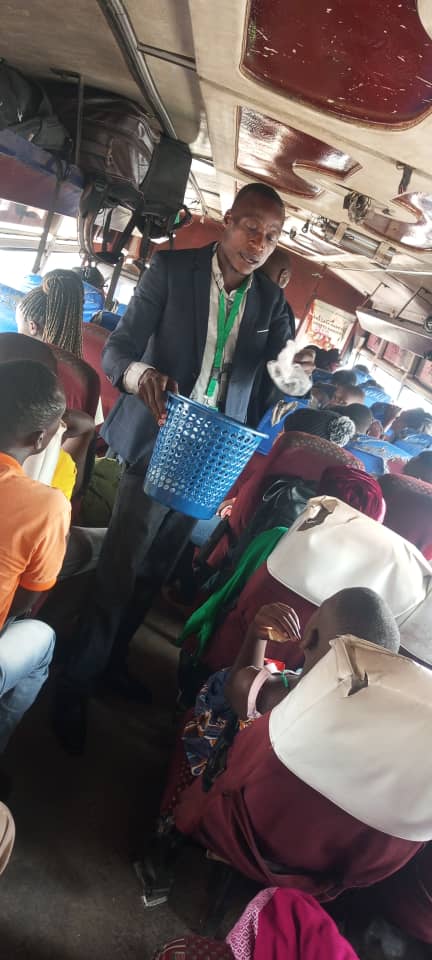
(127, 163)
(281, 504)
(26, 110)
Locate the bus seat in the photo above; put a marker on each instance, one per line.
(16, 346)
(80, 382)
(409, 510)
(94, 338)
(272, 430)
(415, 443)
(9, 299)
(376, 455)
(93, 301)
(294, 454)
(309, 565)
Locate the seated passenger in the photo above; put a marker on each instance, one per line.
(210, 624)
(278, 267)
(321, 395)
(420, 466)
(361, 373)
(409, 422)
(357, 412)
(344, 378)
(326, 362)
(385, 413)
(345, 394)
(54, 311)
(291, 806)
(34, 524)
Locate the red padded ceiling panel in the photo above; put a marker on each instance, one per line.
(364, 60)
(267, 149)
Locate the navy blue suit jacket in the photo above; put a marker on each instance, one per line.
(165, 325)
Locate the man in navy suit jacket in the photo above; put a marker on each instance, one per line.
(167, 341)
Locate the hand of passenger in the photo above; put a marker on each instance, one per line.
(225, 508)
(152, 390)
(277, 622)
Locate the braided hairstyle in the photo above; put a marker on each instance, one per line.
(56, 309)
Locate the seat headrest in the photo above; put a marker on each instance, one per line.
(366, 751)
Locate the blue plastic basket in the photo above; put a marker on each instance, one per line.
(198, 455)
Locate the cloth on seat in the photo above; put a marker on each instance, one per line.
(354, 487)
(373, 742)
(294, 454)
(409, 510)
(202, 622)
(286, 924)
(274, 828)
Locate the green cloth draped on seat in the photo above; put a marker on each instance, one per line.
(203, 621)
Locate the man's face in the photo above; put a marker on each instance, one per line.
(252, 231)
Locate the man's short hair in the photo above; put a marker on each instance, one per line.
(344, 378)
(262, 190)
(363, 613)
(31, 398)
(357, 412)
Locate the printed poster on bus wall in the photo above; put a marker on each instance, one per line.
(326, 326)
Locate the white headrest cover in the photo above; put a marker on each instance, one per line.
(349, 550)
(368, 752)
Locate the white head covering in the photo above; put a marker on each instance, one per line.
(369, 752)
(349, 549)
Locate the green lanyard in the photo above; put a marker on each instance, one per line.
(224, 326)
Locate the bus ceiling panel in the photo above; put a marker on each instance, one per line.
(368, 62)
(163, 24)
(251, 144)
(65, 36)
(180, 92)
(221, 64)
(407, 335)
(28, 176)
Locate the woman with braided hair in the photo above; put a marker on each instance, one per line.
(54, 311)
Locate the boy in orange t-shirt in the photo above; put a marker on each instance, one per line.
(34, 525)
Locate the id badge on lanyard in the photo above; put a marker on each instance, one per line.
(224, 327)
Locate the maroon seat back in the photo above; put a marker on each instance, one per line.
(94, 338)
(294, 454)
(409, 510)
(16, 346)
(80, 382)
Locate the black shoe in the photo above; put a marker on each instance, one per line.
(5, 786)
(69, 723)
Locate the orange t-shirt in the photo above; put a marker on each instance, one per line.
(34, 524)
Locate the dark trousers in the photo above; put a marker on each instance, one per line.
(142, 546)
